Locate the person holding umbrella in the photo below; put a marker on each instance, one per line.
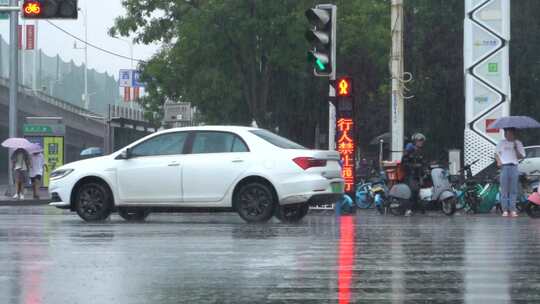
(20, 161)
(508, 153)
(21, 164)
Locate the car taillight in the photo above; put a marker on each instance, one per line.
(309, 162)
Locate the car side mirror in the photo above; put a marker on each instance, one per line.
(126, 154)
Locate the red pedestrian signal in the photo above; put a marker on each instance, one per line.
(344, 87)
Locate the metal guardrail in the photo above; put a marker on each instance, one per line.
(125, 112)
(116, 110)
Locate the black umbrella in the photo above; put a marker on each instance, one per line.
(387, 137)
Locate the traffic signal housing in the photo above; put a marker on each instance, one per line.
(322, 37)
(50, 9)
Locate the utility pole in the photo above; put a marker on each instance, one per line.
(86, 97)
(35, 58)
(13, 80)
(397, 104)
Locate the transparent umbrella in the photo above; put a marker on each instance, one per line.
(518, 122)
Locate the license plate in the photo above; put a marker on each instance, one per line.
(337, 187)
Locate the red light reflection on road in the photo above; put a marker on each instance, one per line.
(346, 258)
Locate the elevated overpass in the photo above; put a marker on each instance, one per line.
(82, 130)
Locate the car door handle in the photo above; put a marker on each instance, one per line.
(238, 161)
(174, 164)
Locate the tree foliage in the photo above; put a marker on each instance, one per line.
(239, 60)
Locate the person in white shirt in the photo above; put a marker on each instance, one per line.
(508, 153)
(21, 164)
(36, 172)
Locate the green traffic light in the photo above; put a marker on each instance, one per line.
(320, 64)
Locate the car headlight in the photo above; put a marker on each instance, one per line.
(58, 174)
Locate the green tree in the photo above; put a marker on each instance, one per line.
(525, 64)
(240, 60)
(434, 56)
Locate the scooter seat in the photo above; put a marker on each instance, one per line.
(534, 198)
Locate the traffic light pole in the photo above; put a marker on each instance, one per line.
(332, 116)
(332, 79)
(13, 79)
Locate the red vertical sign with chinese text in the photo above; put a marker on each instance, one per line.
(346, 137)
(30, 37)
(127, 94)
(20, 36)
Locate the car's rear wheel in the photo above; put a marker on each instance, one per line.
(133, 214)
(255, 202)
(93, 202)
(292, 213)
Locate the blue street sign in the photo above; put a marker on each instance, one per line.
(136, 80)
(125, 78)
(130, 79)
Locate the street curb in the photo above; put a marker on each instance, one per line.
(24, 203)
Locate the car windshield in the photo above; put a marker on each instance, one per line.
(277, 140)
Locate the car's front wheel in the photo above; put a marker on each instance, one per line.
(255, 202)
(93, 202)
(133, 215)
(292, 213)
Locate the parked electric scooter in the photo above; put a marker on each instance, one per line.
(528, 184)
(398, 197)
(438, 192)
(533, 206)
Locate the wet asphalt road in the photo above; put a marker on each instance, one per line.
(47, 256)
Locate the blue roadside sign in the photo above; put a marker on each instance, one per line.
(136, 79)
(125, 78)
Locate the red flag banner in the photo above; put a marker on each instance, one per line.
(30, 37)
(127, 94)
(20, 33)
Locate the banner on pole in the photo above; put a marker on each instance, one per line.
(30, 37)
(127, 94)
(20, 35)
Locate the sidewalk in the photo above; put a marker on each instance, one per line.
(28, 201)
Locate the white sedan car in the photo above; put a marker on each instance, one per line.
(531, 164)
(252, 171)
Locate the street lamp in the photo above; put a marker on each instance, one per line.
(130, 43)
(85, 48)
